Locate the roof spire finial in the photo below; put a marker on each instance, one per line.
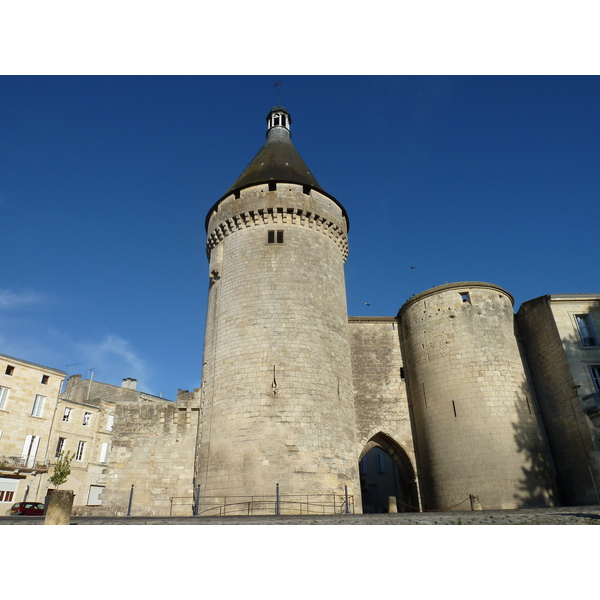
(278, 93)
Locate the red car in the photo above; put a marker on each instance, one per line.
(26, 508)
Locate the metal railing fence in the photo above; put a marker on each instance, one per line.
(275, 504)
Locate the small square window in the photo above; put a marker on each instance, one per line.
(465, 296)
(45, 379)
(9, 370)
(274, 236)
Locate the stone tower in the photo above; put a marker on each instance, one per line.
(277, 383)
(474, 413)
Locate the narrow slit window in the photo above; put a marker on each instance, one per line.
(465, 297)
(280, 237)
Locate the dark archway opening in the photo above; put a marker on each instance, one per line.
(386, 472)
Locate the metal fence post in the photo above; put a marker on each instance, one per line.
(130, 500)
(277, 499)
(197, 505)
(347, 507)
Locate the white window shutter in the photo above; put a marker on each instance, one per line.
(26, 447)
(103, 452)
(33, 451)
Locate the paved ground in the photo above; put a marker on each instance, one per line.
(581, 515)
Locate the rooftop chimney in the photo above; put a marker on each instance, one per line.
(129, 383)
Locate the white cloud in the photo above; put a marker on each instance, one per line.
(13, 300)
(24, 335)
(112, 358)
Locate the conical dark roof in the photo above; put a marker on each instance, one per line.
(278, 160)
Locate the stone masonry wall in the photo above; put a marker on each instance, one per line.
(476, 426)
(95, 392)
(277, 382)
(381, 403)
(153, 448)
(547, 332)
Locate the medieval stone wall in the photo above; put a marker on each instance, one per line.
(379, 390)
(153, 448)
(381, 402)
(476, 427)
(551, 345)
(277, 379)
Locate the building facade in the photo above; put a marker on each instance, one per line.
(28, 398)
(116, 437)
(562, 345)
(452, 403)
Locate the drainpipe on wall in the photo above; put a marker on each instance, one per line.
(49, 436)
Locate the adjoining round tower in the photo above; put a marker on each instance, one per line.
(277, 383)
(475, 422)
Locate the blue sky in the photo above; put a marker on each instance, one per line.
(105, 183)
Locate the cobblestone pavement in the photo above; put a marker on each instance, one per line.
(580, 515)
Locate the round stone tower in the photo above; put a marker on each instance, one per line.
(276, 383)
(475, 421)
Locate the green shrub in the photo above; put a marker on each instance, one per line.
(62, 469)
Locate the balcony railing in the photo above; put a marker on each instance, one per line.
(24, 464)
(591, 404)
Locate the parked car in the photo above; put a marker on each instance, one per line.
(26, 508)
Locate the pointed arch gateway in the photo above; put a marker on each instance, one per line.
(386, 470)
